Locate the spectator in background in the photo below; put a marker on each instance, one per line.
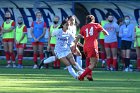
(120, 22)
(102, 53)
(20, 39)
(52, 40)
(127, 36)
(137, 43)
(38, 30)
(8, 38)
(111, 43)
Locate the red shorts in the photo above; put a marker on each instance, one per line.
(101, 42)
(52, 45)
(20, 45)
(91, 52)
(37, 43)
(111, 45)
(8, 40)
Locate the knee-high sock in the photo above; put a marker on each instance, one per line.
(35, 58)
(103, 56)
(58, 63)
(127, 62)
(7, 54)
(55, 63)
(108, 62)
(138, 64)
(20, 57)
(79, 60)
(12, 57)
(72, 71)
(78, 67)
(87, 64)
(49, 60)
(86, 72)
(41, 56)
(114, 63)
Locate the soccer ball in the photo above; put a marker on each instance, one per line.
(80, 72)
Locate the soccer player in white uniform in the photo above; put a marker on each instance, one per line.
(62, 48)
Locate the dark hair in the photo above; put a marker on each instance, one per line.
(38, 12)
(89, 18)
(119, 20)
(63, 22)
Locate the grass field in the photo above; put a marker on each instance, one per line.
(29, 80)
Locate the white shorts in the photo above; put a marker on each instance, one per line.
(61, 54)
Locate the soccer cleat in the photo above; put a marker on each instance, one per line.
(80, 78)
(89, 78)
(19, 66)
(14, 65)
(35, 66)
(41, 63)
(8, 66)
(126, 70)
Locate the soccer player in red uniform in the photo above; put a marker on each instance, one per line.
(90, 33)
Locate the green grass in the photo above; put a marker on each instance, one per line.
(29, 80)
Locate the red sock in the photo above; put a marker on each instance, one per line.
(55, 64)
(41, 56)
(103, 56)
(7, 54)
(111, 61)
(35, 58)
(20, 57)
(58, 63)
(123, 61)
(12, 56)
(114, 63)
(108, 62)
(87, 64)
(138, 64)
(86, 72)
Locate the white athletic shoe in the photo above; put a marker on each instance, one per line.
(14, 65)
(126, 69)
(8, 66)
(35, 67)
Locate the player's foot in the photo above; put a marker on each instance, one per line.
(14, 65)
(126, 70)
(8, 66)
(35, 66)
(65, 68)
(80, 78)
(19, 66)
(89, 78)
(41, 63)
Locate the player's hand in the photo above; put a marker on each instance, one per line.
(79, 44)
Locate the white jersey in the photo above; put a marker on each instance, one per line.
(63, 41)
(72, 30)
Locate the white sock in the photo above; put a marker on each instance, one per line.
(49, 60)
(72, 71)
(79, 60)
(78, 67)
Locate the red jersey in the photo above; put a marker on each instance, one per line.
(90, 32)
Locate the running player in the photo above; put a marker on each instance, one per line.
(111, 43)
(137, 44)
(52, 40)
(127, 36)
(20, 40)
(38, 30)
(8, 38)
(90, 32)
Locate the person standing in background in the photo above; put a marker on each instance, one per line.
(137, 43)
(52, 40)
(38, 30)
(20, 40)
(127, 36)
(8, 39)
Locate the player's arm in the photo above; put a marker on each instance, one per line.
(78, 37)
(24, 33)
(105, 32)
(10, 29)
(44, 31)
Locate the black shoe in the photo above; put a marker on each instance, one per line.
(41, 64)
(89, 78)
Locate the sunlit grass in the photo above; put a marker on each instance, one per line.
(59, 81)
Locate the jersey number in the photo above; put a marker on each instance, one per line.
(89, 32)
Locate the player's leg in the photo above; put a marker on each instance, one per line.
(7, 54)
(12, 55)
(69, 67)
(41, 48)
(72, 61)
(114, 55)
(138, 58)
(35, 54)
(108, 55)
(78, 57)
(20, 55)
